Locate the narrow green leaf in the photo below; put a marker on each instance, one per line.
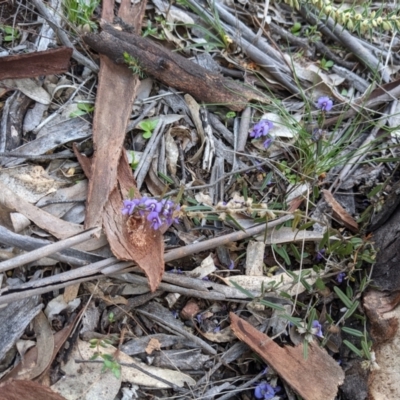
(346, 301)
(353, 348)
(165, 177)
(352, 331)
(365, 348)
(272, 305)
(351, 310)
(235, 222)
(242, 289)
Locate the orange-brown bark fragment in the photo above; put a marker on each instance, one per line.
(314, 378)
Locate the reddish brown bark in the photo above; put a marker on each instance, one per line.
(47, 62)
(314, 378)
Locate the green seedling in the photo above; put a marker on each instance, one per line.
(83, 109)
(10, 33)
(296, 28)
(109, 363)
(326, 64)
(133, 65)
(135, 162)
(148, 127)
(80, 12)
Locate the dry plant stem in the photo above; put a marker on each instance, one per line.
(327, 53)
(381, 95)
(243, 133)
(233, 353)
(359, 83)
(228, 15)
(147, 157)
(45, 13)
(173, 386)
(222, 240)
(47, 250)
(243, 386)
(166, 287)
(176, 329)
(290, 38)
(360, 155)
(27, 243)
(353, 44)
(112, 266)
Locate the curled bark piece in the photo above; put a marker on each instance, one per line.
(30, 65)
(172, 69)
(314, 378)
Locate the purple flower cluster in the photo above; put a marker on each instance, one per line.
(157, 212)
(261, 128)
(265, 391)
(324, 103)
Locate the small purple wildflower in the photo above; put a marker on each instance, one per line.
(340, 276)
(264, 391)
(217, 329)
(129, 206)
(175, 313)
(320, 255)
(324, 103)
(267, 143)
(317, 329)
(231, 265)
(155, 220)
(261, 128)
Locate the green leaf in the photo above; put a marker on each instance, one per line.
(375, 191)
(148, 125)
(77, 113)
(85, 107)
(352, 331)
(272, 305)
(319, 284)
(234, 222)
(346, 301)
(282, 252)
(242, 289)
(365, 346)
(351, 310)
(147, 135)
(353, 348)
(165, 177)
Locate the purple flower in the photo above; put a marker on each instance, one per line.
(267, 143)
(340, 276)
(264, 391)
(317, 329)
(152, 205)
(320, 255)
(155, 220)
(261, 128)
(324, 103)
(129, 206)
(231, 265)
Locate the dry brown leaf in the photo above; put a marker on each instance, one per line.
(314, 378)
(27, 390)
(31, 356)
(339, 213)
(153, 344)
(56, 226)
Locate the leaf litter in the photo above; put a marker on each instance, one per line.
(248, 162)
